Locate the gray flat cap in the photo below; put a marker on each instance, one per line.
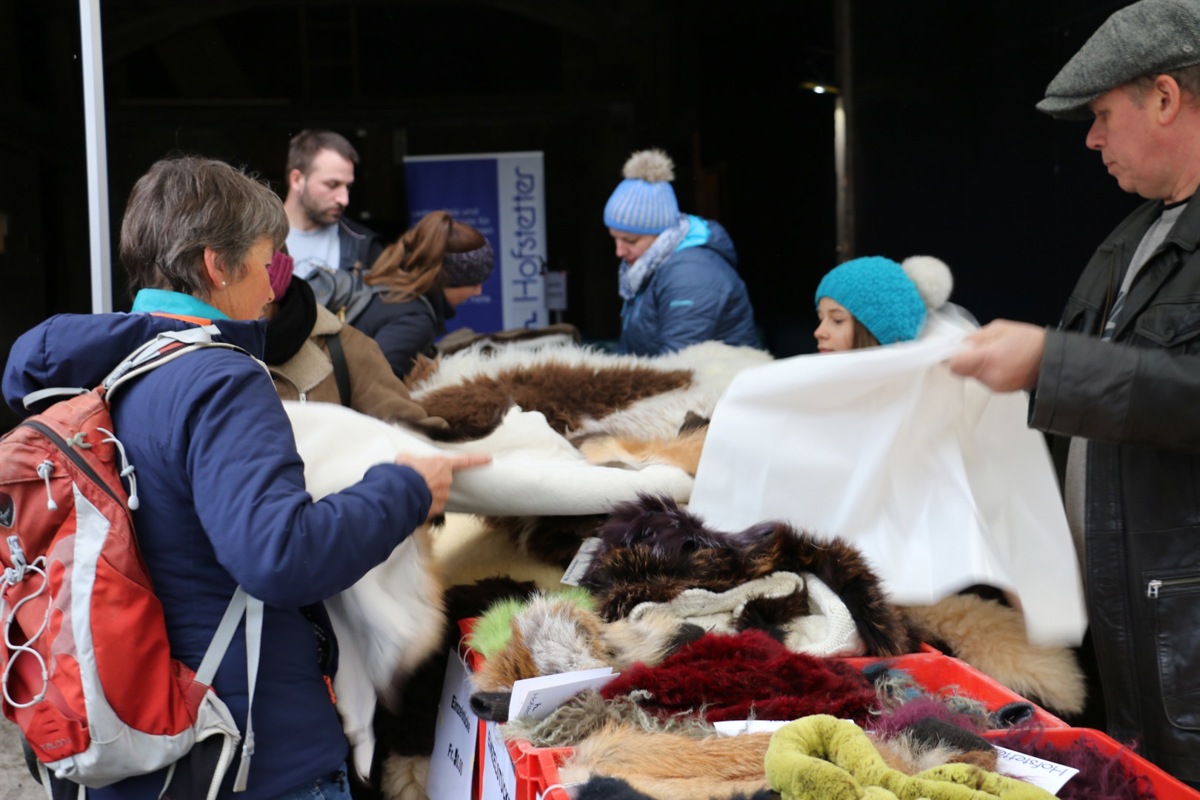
(1146, 38)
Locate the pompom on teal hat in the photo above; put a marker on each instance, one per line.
(889, 299)
(644, 202)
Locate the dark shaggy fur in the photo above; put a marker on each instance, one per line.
(551, 540)
(568, 395)
(411, 731)
(748, 676)
(652, 550)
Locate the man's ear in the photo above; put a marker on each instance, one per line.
(1168, 98)
(295, 178)
(213, 269)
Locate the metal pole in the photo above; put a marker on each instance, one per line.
(97, 154)
(843, 134)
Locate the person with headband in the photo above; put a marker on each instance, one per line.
(678, 275)
(314, 356)
(1117, 381)
(421, 279)
(873, 300)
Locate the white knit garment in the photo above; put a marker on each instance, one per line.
(828, 629)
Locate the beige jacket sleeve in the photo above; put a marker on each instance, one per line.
(374, 388)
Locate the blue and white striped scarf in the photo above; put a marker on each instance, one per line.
(631, 278)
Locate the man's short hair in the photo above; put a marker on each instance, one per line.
(1188, 79)
(305, 145)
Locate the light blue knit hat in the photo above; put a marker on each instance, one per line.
(644, 202)
(888, 299)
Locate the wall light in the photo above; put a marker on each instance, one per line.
(819, 88)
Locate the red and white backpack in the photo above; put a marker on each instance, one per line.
(87, 669)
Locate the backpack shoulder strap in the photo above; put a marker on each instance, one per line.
(341, 371)
(163, 348)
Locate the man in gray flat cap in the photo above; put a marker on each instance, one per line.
(1120, 376)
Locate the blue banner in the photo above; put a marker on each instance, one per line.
(502, 196)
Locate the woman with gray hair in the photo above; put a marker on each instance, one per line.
(222, 491)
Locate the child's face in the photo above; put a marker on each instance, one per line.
(835, 333)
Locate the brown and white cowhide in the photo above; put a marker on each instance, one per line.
(580, 390)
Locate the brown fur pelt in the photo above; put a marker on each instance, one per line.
(652, 550)
(669, 765)
(682, 451)
(990, 636)
(566, 394)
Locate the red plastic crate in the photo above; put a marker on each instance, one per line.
(1166, 787)
(537, 767)
(946, 674)
(538, 779)
(537, 771)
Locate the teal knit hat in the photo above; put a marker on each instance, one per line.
(644, 202)
(888, 299)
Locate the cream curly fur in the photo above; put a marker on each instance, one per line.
(653, 166)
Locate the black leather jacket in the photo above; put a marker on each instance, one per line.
(1137, 400)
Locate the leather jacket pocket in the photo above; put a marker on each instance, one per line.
(1174, 598)
(1169, 325)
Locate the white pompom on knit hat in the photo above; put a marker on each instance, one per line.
(644, 202)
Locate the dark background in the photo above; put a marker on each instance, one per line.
(949, 156)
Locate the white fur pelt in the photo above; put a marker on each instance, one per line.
(534, 470)
(390, 620)
(712, 364)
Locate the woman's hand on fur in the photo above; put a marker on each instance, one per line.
(438, 472)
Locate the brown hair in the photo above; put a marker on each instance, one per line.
(185, 204)
(862, 337)
(306, 144)
(412, 266)
(1188, 79)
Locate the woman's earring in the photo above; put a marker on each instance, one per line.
(224, 283)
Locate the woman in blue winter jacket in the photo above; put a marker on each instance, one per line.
(678, 274)
(221, 486)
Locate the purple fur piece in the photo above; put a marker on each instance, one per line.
(892, 723)
(1101, 777)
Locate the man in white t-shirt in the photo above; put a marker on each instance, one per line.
(329, 251)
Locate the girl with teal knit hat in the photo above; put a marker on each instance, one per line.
(874, 300)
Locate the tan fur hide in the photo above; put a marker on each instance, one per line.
(669, 765)
(681, 451)
(991, 637)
